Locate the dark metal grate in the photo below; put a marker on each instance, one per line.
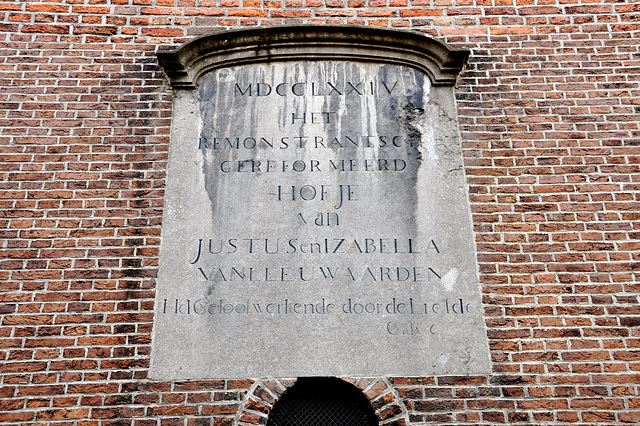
(322, 401)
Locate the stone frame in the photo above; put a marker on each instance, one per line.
(185, 64)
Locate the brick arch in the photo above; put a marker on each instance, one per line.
(264, 393)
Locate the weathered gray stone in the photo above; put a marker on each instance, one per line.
(316, 223)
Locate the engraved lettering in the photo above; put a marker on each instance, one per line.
(384, 83)
(354, 88)
(245, 91)
(333, 89)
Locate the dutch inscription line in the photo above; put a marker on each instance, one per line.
(326, 273)
(323, 246)
(251, 143)
(351, 306)
(314, 89)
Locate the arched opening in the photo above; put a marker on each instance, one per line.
(322, 401)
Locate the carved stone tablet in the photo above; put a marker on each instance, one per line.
(316, 223)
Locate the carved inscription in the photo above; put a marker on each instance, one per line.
(322, 204)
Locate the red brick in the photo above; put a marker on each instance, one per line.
(420, 12)
(248, 12)
(44, 7)
(44, 28)
(161, 11)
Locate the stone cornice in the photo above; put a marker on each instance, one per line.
(185, 64)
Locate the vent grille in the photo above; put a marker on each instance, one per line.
(322, 401)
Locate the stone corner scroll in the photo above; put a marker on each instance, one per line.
(316, 217)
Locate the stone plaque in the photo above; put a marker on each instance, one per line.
(316, 223)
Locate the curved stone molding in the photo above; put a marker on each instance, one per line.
(258, 402)
(185, 64)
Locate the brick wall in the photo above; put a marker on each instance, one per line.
(549, 107)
